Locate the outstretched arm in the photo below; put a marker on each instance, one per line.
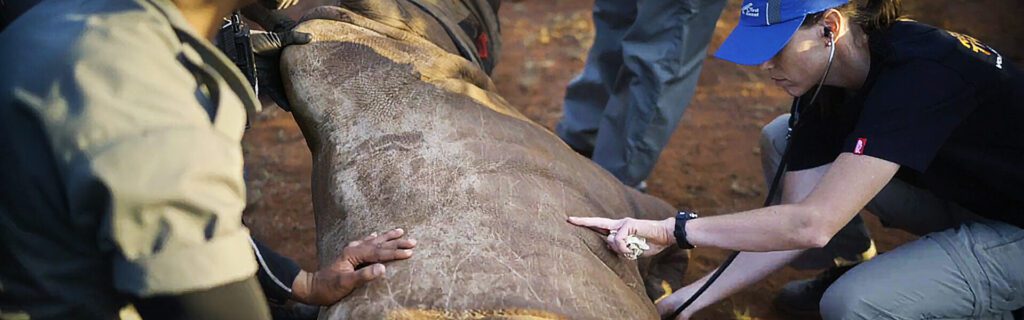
(845, 189)
(747, 269)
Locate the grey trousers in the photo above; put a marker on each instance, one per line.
(640, 75)
(963, 267)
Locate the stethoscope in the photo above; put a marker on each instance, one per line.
(773, 189)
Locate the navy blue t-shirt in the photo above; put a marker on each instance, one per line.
(945, 107)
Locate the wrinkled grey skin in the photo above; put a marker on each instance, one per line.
(406, 134)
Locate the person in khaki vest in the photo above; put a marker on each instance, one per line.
(120, 128)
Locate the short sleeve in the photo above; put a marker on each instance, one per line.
(910, 112)
(821, 130)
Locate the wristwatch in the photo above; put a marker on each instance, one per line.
(680, 232)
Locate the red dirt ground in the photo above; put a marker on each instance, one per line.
(711, 164)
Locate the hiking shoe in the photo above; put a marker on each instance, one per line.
(642, 186)
(586, 153)
(801, 297)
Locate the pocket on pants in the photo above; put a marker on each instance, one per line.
(1003, 264)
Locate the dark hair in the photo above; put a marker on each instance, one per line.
(870, 15)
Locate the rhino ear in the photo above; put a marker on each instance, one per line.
(332, 13)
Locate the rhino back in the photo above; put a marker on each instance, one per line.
(406, 135)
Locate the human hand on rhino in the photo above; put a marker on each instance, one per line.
(360, 262)
(658, 233)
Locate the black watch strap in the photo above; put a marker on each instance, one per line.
(680, 231)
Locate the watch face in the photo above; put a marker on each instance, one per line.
(686, 215)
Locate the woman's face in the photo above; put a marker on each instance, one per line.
(799, 65)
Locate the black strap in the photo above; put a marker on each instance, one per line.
(234, 40)
(487, 35)
(467, 49)
(794, 118)
(205, 80)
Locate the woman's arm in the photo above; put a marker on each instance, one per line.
(817, 203)
(846, 188)
(747, 269)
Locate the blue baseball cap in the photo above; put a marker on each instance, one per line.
(766, 26)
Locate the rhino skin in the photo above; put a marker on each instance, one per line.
(404, 133)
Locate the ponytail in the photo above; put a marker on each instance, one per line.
(874, 15)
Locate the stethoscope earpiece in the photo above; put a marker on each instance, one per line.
(831, 55)
(793, 121)
(831, 39)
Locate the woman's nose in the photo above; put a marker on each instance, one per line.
(767, 65)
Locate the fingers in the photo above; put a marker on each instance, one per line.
(375, 248)
(377, 239)
(394, 244)
(668, 305)
(360, 277)
(619, 242)
(622, 229)
(370, 272)
(384, 255)
(391, 240)
(618, 230)
(398, 249)
(265, 43)
(270, 43)
(408, 244)
(592, 222)
(294, 37)
(370, 237)
(405, 243)
(389, 235)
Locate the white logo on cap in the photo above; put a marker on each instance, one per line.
(750, 11)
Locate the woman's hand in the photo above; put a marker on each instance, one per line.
(330, 284)
(669, 304)
(657, 233)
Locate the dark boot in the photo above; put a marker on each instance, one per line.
(642, 186)
(586, 153)
(801, 297)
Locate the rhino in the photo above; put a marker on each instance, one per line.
(405, 132)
